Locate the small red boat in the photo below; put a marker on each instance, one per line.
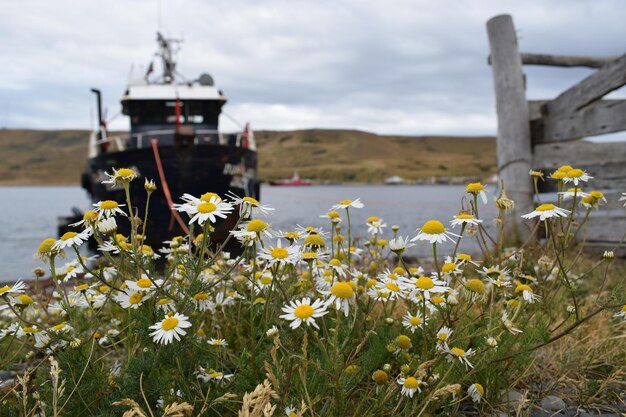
(295, 180)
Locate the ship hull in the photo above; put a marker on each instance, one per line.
(194, 170)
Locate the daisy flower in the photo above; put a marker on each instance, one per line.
(621, 313)
(571, 192)
(476, 391)
(412, 322)
(594, 199)
(433, 231)
(190, 202)
(527, 293)
(303, 311)
(250, 205)
(42, 339)
(206, 210)
(71, 239)
(623, 198)
(546, 211)
(576, 176)
(376, 227)
(385, 291)
(165, 304)
(108, 208)
(341, 295)
(400, 244)
(130, 299)
(410, 385)
(477, 189)
(144, 284)
(212, 375)
(280, 255)
(171, 327)
(16, 288)
(423, 285)
(290, 411)
(508, 325)
(272, 332)
(89, 219)
(492, 342)
(465, 218)
(121, 176)
(338, 268)
(461, 355)
(346, 204)
(464, 258)
(217, 342)
(203, 302)
(107, 226)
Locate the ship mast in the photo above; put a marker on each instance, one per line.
(166, 52)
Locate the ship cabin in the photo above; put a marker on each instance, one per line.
(173, 113)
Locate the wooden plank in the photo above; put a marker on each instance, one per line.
(606, 162)
(513, 141)
(564, 60)
(605, 116)
(605, 229)
(608, 78)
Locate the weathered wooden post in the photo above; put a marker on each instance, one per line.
(514, 151)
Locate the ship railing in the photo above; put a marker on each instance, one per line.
(141, 140)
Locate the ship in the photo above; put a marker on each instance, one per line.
(295, 180)
(173, 139)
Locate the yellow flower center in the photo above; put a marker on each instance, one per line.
(596, 194)
(480, 389)
(4, 289)
(108, 205)
(90, 215)
(410, 383)
(339, 238)
(201, 296)
(443, 336)
(415, 321)
(558, 175)
(564, 168)
(574, 173)
(475, 285)
(144, 283)
(433, 227)
(126, 173)
(207, 197)
(464, 257)
(403, 341)
(135, 298)
(474, 187)
(447, 267)
(392, 286)
(437, 299)
(266, 280)
(373, 219)
(68, 235)
(308, 255)
(252, 201)
(279, 253)
(424, 283)
(464, 216)
(314, 240)
(25, 299)
(371, 283)
(164, 301)
(46, 245)
(30, 330)
(256, 226)
(206, 207)
(574, 190)
(342, 290)
(58, 326)
(169, 323)
(545, 207)
(523, 287)
(304, 311)
(345, 202)
(81, 287)
(457, 352)
(335, 262)
(333, 214)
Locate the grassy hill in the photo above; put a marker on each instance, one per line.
(58, 157)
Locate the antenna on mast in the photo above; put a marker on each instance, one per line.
(166, 52)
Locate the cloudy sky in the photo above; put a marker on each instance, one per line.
(398, 67)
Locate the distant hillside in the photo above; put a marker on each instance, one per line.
(58, 157)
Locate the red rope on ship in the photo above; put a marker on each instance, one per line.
(166, 189)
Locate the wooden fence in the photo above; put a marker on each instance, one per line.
(545, 134)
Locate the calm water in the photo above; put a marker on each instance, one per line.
(29, 214)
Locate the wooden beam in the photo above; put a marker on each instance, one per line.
(602, 117)
(513, 141)
(608, 78)
(604, 161)
(564, 60)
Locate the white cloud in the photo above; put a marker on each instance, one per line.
(405, 66)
